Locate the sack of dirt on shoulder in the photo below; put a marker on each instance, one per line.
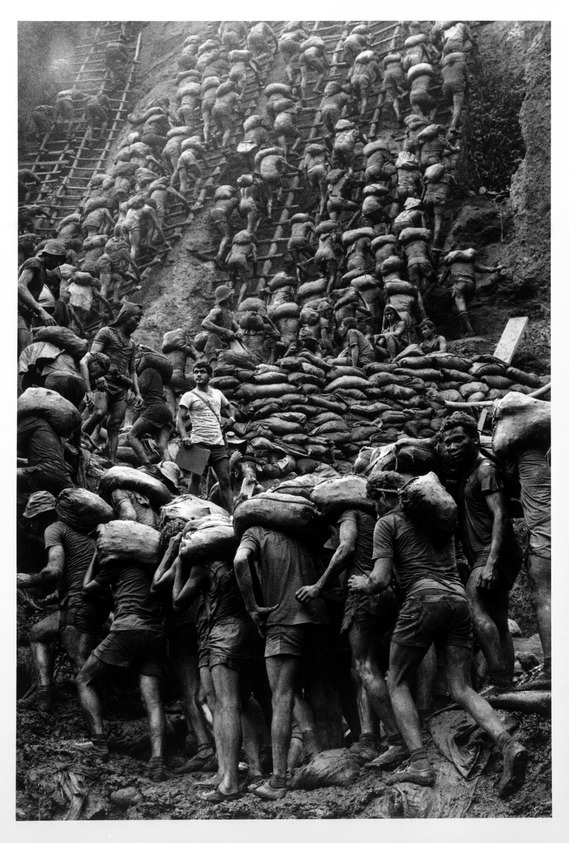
(518, 421)
(331, 767)
(207, 538)
(285, 513)
(428, 504)
(120, 542)
(125, 477)
(335, 496)
(189, 508)
(82, 510)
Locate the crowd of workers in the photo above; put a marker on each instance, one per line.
(353, 630)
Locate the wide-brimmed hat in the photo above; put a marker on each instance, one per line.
(39, 502)
(55, 248)
(170, 471)
(223, 292)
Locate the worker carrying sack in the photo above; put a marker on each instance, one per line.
(125, 477)
(335, 496)
(46, 404)
(431, 508)
(127, 542)
(208, 538)
(286, 513)
(82, 510)
(518, 421)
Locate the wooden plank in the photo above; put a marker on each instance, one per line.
(510, 339)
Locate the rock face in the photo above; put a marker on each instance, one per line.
(531, 184)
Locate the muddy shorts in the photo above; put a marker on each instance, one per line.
(370, 612)
(451, 88)
(443, 619)
(142, 650)
(290, 639)
(84, 618)
(465, 287)
(234, 644)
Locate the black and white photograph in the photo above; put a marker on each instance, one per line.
(282, 506)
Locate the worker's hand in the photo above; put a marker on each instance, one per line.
(47, 320)
(238, 335)
(186, 441)
(89, 400)
(101, 384)
(360, 584)
(22, 580)
(307, 593)
(138, 402)
(488, 577)
(259, 617)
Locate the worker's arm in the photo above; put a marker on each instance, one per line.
(209, 325)
(26, 298)
(182, 420)
(90, 583)
(184, 593)
(338, 562)
(496, 503)
(122, 505)
(164, 573)
(378, 580)
(49, 576)
(241, 563)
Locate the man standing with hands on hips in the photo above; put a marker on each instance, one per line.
(199, 422)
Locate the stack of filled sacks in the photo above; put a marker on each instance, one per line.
(305, 408)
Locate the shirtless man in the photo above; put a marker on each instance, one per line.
(115, 341)
(313, 59)
(359, 39)
(394, 83)
(347, 135)
(364, 76)
(208, 92)
(315, 167)
(289, 43)
(261, 40)
(240, 62)
(135, 224)
(226, 201)
(243, 251)
(97, 113)
(340, 186)
(455, 84)
(31, 281)
(420, 78)
(220, 324)
(272, 165)
(113, 265)
(252, 200)
(188, 97)
(334, 104)
(226, 110)
(189, 167)
(300, 245)
(459, 274)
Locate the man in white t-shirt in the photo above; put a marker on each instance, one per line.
(199, 422)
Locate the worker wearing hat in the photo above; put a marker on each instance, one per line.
(31, 281)
(220, 324)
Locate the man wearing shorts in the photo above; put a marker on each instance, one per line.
(77, 622)
(435, 610)
(115, 341)
(488, 541)
(155, 417)
(282, 566)
(202, 408)
(368, 620)
(136, 641)
(233, 646)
